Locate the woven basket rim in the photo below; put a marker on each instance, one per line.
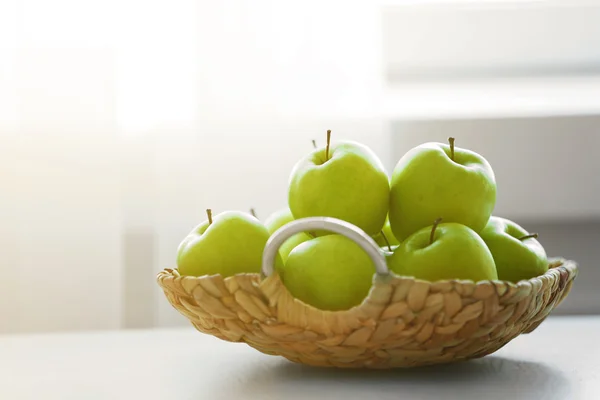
(557, 266)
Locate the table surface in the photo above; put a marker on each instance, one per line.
(560, 360)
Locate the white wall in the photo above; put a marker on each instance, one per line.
(63, 219)
(118, 135)
(454, 39)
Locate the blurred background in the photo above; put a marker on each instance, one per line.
(121, 121)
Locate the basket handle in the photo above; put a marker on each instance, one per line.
(329, 224)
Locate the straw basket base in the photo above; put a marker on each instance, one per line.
(402, 323)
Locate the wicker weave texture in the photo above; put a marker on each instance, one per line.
(402, 323)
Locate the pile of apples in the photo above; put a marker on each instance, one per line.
(433, 220)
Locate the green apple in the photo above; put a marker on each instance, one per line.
(517, 254)
(232, 243)
(329, 273)
(444, 251)
(386, 237)
(278, 219)
(344, 180)
(438, 180)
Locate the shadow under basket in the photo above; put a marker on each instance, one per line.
(403, 322)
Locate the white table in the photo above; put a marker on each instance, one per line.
(560, 360)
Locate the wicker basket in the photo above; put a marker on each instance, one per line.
(402, 323)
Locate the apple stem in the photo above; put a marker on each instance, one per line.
(435, 225)
(451, 141)
(328, 141)
(253, 213)
(385, 239)
(530, 236)
(314, 142)
(209, 213)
